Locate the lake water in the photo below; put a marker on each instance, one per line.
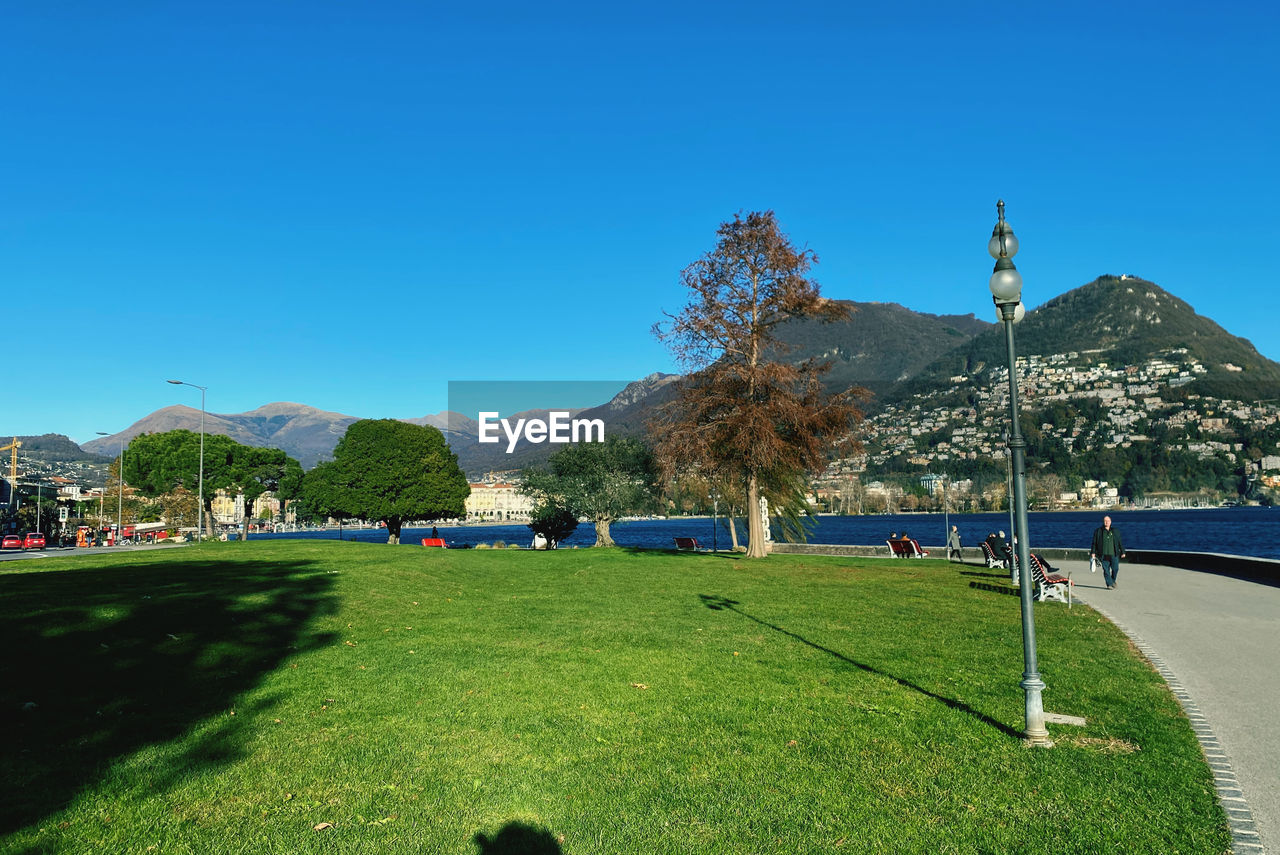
(1235, 531)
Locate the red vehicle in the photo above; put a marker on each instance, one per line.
(11, 541)
(33, 540)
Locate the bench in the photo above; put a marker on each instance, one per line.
(906, 549)
(990, 555)
(686, 542)
(434, 541)
(1049, 585)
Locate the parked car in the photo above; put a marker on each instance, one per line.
(33, 540)
(11, 541)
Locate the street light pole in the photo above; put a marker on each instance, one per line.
(200, 493)
(1006, 292)
(120, 478)
(946, 518)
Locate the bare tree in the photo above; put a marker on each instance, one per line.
(743, 412)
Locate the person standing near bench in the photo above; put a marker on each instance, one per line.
(1108, 549)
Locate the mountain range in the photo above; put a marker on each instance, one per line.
(890, 350)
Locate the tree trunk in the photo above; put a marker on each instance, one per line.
(602, 532)
(208, 516)
(393, 530)
(733, 530)
(755, 526)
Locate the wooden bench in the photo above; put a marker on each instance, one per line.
(1049, 585)
(906, 549)
(686, 542)
(434, 541)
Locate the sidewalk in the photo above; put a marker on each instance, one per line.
(63, 551)
(1218, 636)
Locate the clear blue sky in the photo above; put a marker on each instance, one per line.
(349, 205)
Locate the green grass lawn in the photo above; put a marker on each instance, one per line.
(232, 697)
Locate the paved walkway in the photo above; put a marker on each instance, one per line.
(63, 551)
(1219, 637)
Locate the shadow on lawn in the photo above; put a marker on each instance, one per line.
(101, 663)
(717, 603)
(669, 552)
(518, 838)
(1004, 575)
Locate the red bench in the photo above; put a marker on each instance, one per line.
(686, 542)
(1050, 586)
(906, 549)
(434, 541)
(989, 555)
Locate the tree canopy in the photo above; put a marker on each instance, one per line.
(744, 413)
(602, 481)
(389, 470)
(160, 463)
(552, 521)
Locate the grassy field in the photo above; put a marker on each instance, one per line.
(329, 697)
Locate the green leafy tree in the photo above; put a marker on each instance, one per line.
(602, 481)
(552, 521)
(388, 470)
(162, 462)
(261, 470)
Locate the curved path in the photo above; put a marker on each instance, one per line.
(1216, 640)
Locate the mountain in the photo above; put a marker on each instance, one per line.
(304, 433)
(53, 447)
(1123, 320)
(879, 345)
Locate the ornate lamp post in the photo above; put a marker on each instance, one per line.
(1006, 292)
(200, 494)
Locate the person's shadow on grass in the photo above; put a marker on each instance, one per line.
(718, 603)
(518, 838)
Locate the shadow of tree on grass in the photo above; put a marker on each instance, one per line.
(518, 838)
(718, 603)
(101, 663)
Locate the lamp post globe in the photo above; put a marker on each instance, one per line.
(1006, 292)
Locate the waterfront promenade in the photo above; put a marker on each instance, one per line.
(1217, 637)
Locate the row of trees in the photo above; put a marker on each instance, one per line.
(382, 470)
(169, 465)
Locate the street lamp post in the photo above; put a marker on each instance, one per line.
(1006, 292)
(946, 518)
(120, 478)
(200, 494)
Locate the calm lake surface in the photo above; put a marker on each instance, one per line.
(1235, 531)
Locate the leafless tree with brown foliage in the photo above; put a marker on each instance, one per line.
(742, 412)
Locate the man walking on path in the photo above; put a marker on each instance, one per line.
(1108, 549)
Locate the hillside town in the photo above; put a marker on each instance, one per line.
(1109, 406)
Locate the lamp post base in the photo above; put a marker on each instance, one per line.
(1035, 735)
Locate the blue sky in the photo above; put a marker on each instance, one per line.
(349, 205)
